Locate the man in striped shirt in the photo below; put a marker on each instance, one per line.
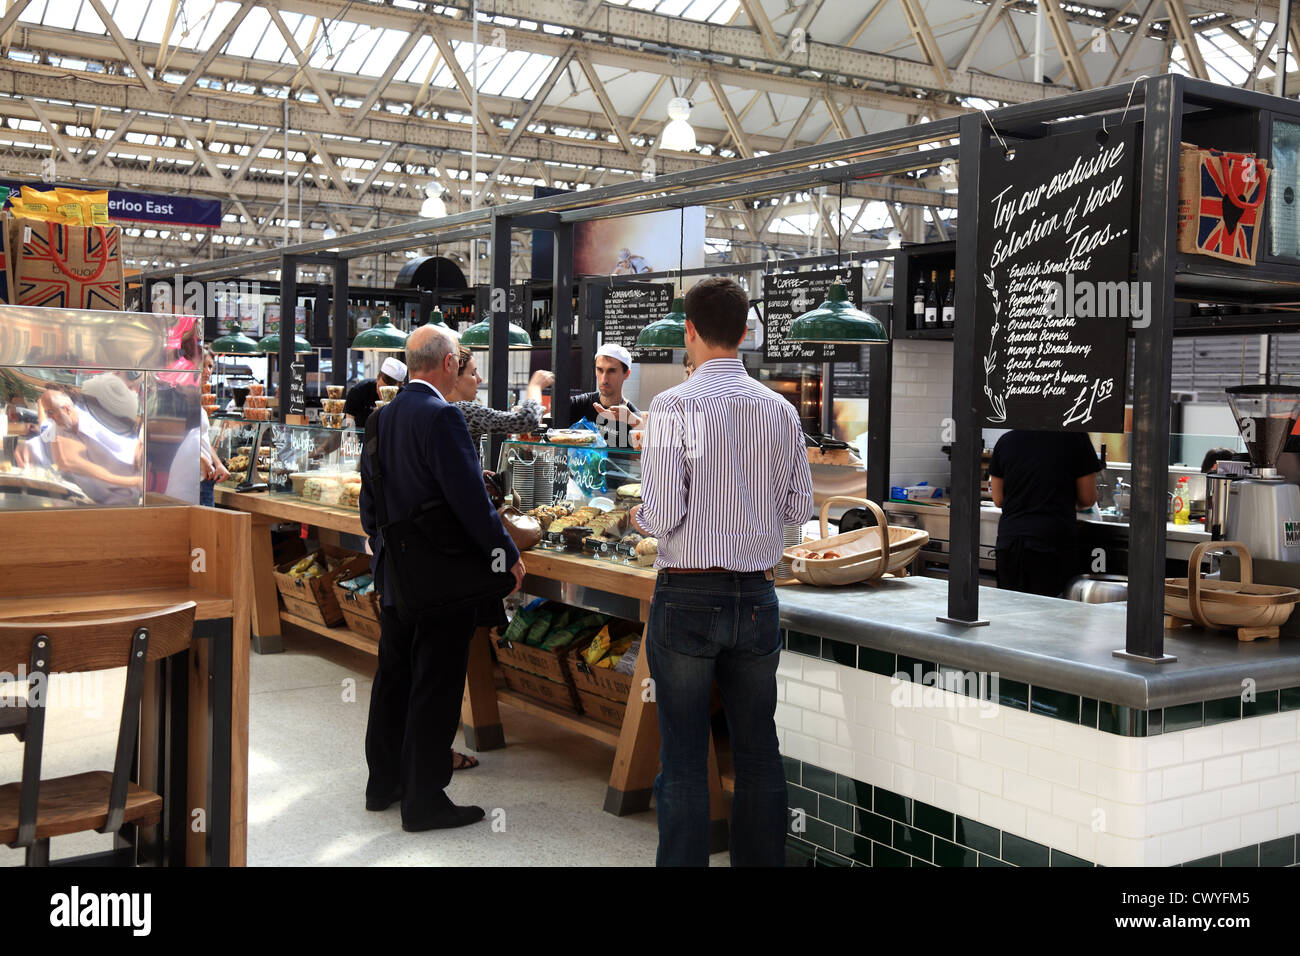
(723, 470)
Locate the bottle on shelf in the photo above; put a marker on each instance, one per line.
(918, 304)
(950, 300)
(545, 331)
(932, 301)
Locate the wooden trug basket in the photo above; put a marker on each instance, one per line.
(866, 553)
(1254, 610)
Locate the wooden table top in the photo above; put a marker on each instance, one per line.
(291, 509)
(210, 605)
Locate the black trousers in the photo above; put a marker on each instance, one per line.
(1033, 568)
(415, 708)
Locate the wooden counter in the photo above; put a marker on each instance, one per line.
(194, 721)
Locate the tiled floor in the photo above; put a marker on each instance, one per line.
(307, 775)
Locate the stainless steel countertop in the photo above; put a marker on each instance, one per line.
(1062, 645)
(1193, 532)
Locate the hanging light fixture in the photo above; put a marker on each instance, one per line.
(234, 342)
(837, 321)
(437, 318)
(477, 336)
(329, 233)
(678, 135)
(433, 207)
(670, 331)
(270, 344)
(383, 336)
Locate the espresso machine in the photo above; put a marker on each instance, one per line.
(1264, 508)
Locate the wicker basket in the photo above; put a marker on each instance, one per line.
(1254, 610)
(865, 554)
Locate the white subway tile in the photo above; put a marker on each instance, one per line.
(1288, 816)
(1260, 764)
(1278, 728)
(1221, 836)
(780, 689)
(1164, 750)
(1051, 831)
(1022, 788)
(1202, 743)
(790, 665)
(875, 714)
(956, 738)
(1222, 772)
(1277, 791)
(1126, 786)
(856, 686)
(788, 716)
(1054, 767)
(821, 673)
(1153, 785)
(1125, 753)
(836, 758)
(857, 739)
(941, 764)
(1123, 820)
(798, 694)
(893, 748)
(1202, 808)
(1183, 780)
(1239, 735)
(872, 770)
(956, 798)
(1032, 729)
(918, 786)
(801, 747)
(819, 726)
(1241, 799)
(1288, 758)
(915, 726)
(834, 704)
(1112, 850)
(1011, 754)
(1259, 826)
(1164, 816)
(1072, 739)
(1181, 847)
(1088, 770)
(1070, 804)
(975, 772)
(1002, 814)
(986, 720)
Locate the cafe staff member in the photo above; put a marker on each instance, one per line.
(613, 367)
(1039, 479)
(363, 395)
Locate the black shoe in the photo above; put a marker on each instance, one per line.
(383, 803)
(446, 819)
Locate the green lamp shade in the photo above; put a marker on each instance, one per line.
(383, 336)
(234, 342)
(436, 318)
(270, 344)
(666, 333)
(837, 322)
(476, 336)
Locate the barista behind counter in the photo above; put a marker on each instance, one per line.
(1039, 479)
(363, 395)
(606, 407)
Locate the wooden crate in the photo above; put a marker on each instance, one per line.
(361, 612)
(551, 665)
(556, 693)
(602, 708)
(599, 681)
(313, 598)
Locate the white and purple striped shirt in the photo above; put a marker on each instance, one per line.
(723, 469)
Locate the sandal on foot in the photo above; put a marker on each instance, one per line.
(460, 761)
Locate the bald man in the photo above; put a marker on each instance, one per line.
(425, 453)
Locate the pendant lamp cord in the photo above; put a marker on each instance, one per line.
(681, 252)
(839, 230)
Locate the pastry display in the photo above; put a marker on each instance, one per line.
(256, 388)
(238, 463)
(631, 539)
(631, 490)
(351, 493)
(334, 391)
(647, 550)
(332, 406)
(571, 436)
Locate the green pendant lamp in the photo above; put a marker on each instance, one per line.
(668, 332)
(437, 318)
(383, 336)
(234, 342)
(270, 344)
(837, 322)
(477, 335)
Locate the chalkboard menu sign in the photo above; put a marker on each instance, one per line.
(297, 389)
(1053, 300)
(627, 309)
(520, 304)
(786, 297)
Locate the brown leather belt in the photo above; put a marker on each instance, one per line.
(767, 574)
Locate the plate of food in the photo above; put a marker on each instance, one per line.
(571, 436)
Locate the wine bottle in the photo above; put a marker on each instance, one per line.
(950, 300)
(918, 304)
(932, 302)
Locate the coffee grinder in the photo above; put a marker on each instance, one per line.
(1264, 508)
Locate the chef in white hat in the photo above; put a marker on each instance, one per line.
(606, 406)
(361, 399)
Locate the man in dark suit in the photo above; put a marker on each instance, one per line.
(424, 450)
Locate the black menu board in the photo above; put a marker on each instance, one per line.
(519, 304)
(786, 297)
(1054, 300)
(627, 309)
(297, 389)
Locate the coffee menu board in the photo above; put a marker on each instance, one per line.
(786, 297)
(1053, 300)
(627, 309)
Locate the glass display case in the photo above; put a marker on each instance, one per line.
(582, 495)
(308, 462)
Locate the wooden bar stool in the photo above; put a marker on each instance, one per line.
(34, 810)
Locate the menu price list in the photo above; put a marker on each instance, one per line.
(627, 309)
(786, 297)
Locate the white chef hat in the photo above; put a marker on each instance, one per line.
(394, 369)
(616, 352)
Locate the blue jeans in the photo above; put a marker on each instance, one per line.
(722, 626)
(206, 496)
